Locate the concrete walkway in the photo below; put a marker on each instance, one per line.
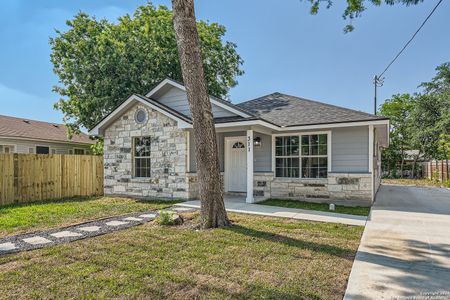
(237, 204)
(405, 248)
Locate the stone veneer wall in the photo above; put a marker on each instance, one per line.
(168, 157)
(340, 188)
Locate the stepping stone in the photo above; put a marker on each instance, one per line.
(116, 223)
(36, 240)
(64, 234)
(148, 216)
(89, 228)
(7, 247)
(132, 219)
(182, 208)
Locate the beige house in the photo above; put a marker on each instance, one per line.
(275, 146)
(18, 135)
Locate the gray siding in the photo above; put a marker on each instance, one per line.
(23, 146)
(350, 149)
(177, 100)
(262, 155)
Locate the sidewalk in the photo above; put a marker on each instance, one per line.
(239, 206)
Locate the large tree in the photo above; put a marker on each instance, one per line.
(213, 212)
(99, 63)
(210, 186)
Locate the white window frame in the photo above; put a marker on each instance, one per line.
(46, 146)
(133, 156)
(300, 134)
(84, 151)
(14, 147)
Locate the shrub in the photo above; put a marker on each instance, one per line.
(165, 217)
(446, 183)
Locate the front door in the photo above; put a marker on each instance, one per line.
(235, 164)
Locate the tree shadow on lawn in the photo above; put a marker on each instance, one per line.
(302, 244)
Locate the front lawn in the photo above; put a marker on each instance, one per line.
(360, 211)
(257, 258)
(416, 182)
(15, 219)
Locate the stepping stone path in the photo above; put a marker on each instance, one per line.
(31, 241)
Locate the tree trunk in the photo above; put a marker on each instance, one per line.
(402, 162)
(210, 185)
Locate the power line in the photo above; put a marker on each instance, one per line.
(410, 40)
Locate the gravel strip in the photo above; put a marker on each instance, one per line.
(17, 243)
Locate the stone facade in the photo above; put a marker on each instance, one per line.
(339, 188)
(170, 178)
(168, 157)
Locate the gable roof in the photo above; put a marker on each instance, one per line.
(285, 111)
(277, 111)
(215, 100)
(12, 127)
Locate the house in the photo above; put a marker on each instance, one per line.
(275, 146)
(18, 135)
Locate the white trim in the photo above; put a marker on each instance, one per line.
(227, 156)
(182, 87)
(300, 134)
(249, 142)
(371, 144)
(43, 146)
(14, 150)
(84, 150)
(329, 147)
(95, 130)
(305, 127)
(188, 151)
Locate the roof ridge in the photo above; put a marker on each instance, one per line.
(314, 101)
(31, 120)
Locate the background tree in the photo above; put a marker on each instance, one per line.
(419, 122)
(398, 109)
(99, 64)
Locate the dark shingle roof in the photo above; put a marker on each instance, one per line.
(25, 128)
(285, 110)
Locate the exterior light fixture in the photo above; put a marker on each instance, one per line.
(257, 142)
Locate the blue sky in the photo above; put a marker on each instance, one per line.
(284, 48)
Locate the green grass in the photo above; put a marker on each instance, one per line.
(417, 182)
(360, 211)
(257, 258)
(15, 219)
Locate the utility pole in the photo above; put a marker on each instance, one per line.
(377, 82)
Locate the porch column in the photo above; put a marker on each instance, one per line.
(249, 198)
(371, 146)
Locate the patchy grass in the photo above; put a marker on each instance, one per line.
(416, 182)
(360, 211)
(257, 258)
(15, 219)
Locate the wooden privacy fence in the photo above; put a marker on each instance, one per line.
(36, 177)
(437, 170)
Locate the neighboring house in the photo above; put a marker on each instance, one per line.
(277, 146)
(18, 135)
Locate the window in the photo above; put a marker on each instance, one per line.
(287, 158)
(142, 156)
(6, 149)
(238, 145)
(314, 156)
(78, 151)
(42, 150)
(304, 156)
(141, 116)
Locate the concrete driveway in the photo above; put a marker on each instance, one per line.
(405, 248)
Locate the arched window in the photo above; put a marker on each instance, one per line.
(238, 145)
